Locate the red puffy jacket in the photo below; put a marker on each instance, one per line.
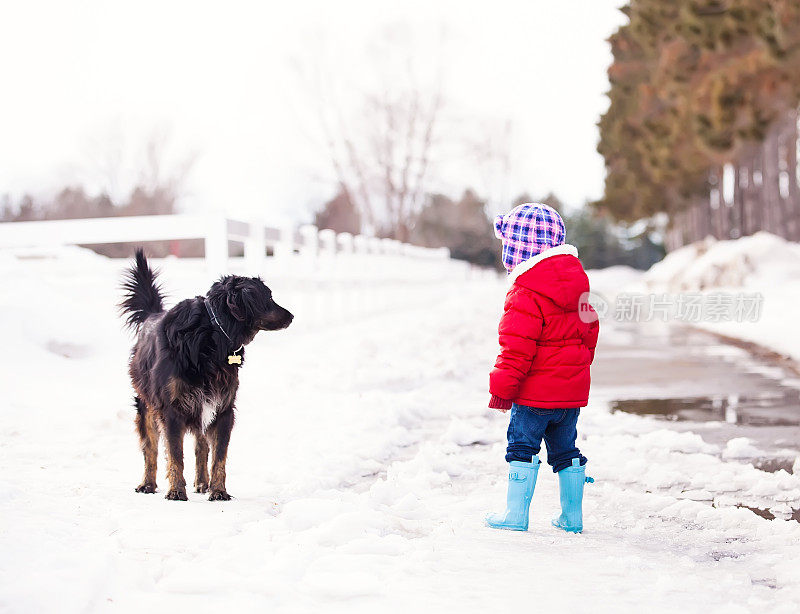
(546, 347)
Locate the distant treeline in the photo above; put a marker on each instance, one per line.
(73, 202)
(464, 227)
(702, 122)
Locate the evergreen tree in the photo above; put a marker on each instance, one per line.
(693, 85)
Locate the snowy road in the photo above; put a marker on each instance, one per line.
(748, 404)
(362, 463)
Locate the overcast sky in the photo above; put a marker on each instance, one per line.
(84, 84)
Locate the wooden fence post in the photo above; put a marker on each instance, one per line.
(769, 189)
(310, 236)
(216, 245)
(791, 137)
(345, 240)
(284, 247)
(255, 248)
(361, 244)
(327, 242)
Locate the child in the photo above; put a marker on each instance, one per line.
(548, 334)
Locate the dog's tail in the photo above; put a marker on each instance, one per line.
(142, 294)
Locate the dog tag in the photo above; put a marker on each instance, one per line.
(234, 359)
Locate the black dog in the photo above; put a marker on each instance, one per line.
(185, 369)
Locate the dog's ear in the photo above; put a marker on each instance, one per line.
(236, 304)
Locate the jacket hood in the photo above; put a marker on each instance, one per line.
(556, 274)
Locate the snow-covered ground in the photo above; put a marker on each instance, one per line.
(362, 463)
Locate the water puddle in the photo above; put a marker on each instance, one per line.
(775, 408)
(772, 413)
(718, 388)
(774, 464)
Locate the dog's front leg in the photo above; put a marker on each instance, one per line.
(174, 429)
(219, 435)
(201, 463)
(148, 435)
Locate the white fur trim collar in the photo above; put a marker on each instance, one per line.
(527, 265)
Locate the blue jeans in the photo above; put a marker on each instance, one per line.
(529, 425)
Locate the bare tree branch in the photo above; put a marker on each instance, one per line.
(381, 152)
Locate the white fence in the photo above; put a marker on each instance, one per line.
(309, 244)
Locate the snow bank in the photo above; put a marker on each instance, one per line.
(760, 264)
(709, 264)
(610, 281)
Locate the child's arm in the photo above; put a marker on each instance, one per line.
(590, 337)
(519, 330)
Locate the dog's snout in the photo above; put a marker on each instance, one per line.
(277, 318)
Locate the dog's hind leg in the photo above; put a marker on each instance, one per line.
(201, 463)
(148, 438)
(174, 430)
(219, 434)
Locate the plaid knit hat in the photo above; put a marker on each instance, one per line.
(528, 230)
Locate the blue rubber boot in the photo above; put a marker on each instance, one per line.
(571, 481)
(521, 482)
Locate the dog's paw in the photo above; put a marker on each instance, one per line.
(146, 487)
(219, 495)
(176, 495)
(201, 487)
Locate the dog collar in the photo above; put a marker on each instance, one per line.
(234, 358)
